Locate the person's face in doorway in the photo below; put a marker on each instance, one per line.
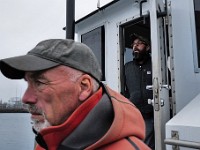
(140, 48)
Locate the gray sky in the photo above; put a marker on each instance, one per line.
(26, 22)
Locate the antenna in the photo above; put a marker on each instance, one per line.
(98, 4)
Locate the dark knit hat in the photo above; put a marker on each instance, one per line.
(51, 53)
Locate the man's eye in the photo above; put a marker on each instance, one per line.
(38, 83)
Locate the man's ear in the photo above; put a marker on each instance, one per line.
(86, 87)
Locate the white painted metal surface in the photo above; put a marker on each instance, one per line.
(161, 94)
(187, 81)
(186, 123)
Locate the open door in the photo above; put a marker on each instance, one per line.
(161, 85)
(152, 25)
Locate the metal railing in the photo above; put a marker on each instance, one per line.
(182, 143)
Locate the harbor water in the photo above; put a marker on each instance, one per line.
(16, 131)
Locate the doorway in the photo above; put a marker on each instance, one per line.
(140, 26)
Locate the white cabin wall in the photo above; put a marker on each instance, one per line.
(111, 18)
(187, 82)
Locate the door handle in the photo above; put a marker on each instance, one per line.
(149, 87)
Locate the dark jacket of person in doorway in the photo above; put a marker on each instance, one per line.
(138, 74)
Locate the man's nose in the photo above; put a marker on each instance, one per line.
(29, 96)
(134, 46)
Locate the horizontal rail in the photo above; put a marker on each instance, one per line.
(182, 143)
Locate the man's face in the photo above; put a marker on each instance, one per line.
(51, 95)
(139, 48)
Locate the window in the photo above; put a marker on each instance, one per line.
(95, 39)
(197, 22)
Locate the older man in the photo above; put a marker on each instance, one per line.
(70, 107)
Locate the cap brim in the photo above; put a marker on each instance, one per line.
(142, 38)
(15, 67)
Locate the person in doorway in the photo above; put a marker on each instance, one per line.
(70, 107)
(138, 74)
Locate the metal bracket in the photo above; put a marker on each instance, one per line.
(141, 3)
(166, 86)
(175, 136)
(155, 87)
(161, 14)
(156, 94)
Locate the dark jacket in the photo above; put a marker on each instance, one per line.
(137, 77)
(105, 121)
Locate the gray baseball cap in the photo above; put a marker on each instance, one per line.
(51, 53)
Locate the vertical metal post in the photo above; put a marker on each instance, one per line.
(70, 18)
